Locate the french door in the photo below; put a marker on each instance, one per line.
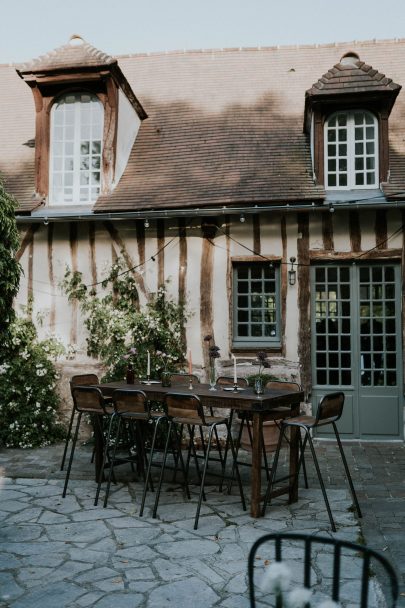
(356, 345)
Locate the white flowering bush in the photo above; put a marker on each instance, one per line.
(28, 397)
(116, 324)
(277, 578)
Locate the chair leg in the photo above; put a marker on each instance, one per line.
(72, 451)
(235, 468)
(207, 453)
(226, 451)
(162, 470)
(148, 472)
(191, 448)
(107, 444)
(321, 483)
(68, 437)
(349, 477)
(302, 460)
(112, 460)
(237, 446)
(177, 444)
(267, 497)
(221, 459)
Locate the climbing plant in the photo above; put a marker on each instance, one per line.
(116, 324)
(10, 269)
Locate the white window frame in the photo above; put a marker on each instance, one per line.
(351, 151)
(76, 155)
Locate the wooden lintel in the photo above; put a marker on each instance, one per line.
(256, 258)
(380, 254)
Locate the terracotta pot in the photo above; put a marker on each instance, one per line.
(270, 434)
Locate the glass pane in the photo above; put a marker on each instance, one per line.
(343, 179)
(358, 133)
(342, 135)
(359, 148)
(359, 163)
(332, 150)
(369, 147)
(342, 164)
(389, 273)
(359, 179)
(242, 330)
(369, 132)
(370, 178)
(332, 180)
(331, 135)
(243, 315)
(342, 120)
(256, 273)
(342, 149)
(242, 272)
(256, 330)
(331, 164)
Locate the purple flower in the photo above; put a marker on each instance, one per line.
(214, 352)
(208, 338)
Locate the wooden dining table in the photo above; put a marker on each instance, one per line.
(244, 400)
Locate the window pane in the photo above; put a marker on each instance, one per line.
(342, 180)
(359, 148)
(342, 135)
(331, 135)
(359, 164)
(332, 164)
(75, 120)
(359, 179)
(342, 119)
(256, 313)
(332, 150)
(370, 147)
(332, 180)
(342, 149)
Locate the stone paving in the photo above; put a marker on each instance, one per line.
(58, 553)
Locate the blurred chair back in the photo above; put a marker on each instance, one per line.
(330, 408)
(283, 385)
(131, 403)
(179, 405)
(335, 554)
(88, 399)
(183, 379)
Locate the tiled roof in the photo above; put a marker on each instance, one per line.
(76, 53)
(224, 126)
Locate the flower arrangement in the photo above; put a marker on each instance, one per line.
(213, 353)
(277, 578)
(164, 359)
(263, 363)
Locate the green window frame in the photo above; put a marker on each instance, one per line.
(256, 304)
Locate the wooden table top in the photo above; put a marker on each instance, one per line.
(245, 399)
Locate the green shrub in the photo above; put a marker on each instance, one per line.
(29, 401)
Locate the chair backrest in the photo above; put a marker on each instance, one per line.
(88, 399)
(130, 401)
(181, 405)
(83, 380)
(332, 553)
(330, 408)
(183, 379)
(283, 385)
(228, 381)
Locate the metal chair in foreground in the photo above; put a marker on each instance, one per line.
(343, 556)
(330, 409)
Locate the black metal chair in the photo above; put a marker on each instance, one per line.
(186, 410)
(77, 380)
(330, 409)
(272, 547)
(132, 411)
(87, 400)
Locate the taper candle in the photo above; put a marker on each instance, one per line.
(148, 366)
(235, 378)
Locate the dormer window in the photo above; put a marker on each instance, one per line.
(76, 149)
(87, 119)
(351, 150)
(346, 119)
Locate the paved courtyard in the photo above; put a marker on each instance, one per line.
(59, 553)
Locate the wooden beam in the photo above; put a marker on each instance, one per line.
(304, 296)
(375, 254)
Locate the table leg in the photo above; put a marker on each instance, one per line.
(256, 464)
(294, 456)
(98, 445)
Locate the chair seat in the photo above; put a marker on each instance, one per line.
(209, 421)
(308, 421)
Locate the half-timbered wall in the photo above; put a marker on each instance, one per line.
(199, 267)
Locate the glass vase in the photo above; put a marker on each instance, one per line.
(165, 378)
(259, 386)
(213, 376)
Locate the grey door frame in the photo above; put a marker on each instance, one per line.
(362, 402)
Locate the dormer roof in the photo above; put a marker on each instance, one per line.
(352, 76)
(77, 53)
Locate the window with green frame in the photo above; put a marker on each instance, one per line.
(256, 303)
